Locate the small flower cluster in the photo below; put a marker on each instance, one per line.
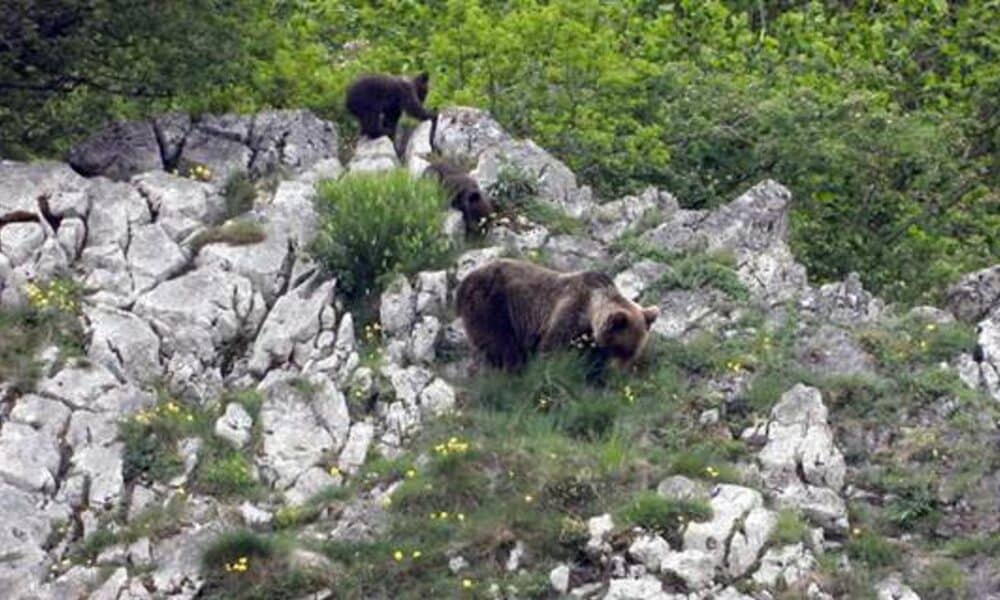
(734, 366)
(445, 515)
(200, 173)
(238, 566)
(167, 409)
(628, 394)
(399, 555)
(712, 472)
(58, 294)
(372, 333)
(452, 446)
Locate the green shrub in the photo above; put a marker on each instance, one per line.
(376, 224)
(28, 330)
(664, 516)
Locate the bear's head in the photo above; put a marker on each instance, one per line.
(474, 204)
(621, 327)
(421, 83)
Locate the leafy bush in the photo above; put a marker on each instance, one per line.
(374, 225)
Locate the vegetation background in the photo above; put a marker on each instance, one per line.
(882, 117)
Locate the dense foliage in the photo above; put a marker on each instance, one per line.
(881, 116)
(375, 225)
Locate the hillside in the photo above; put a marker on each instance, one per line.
(192, 406)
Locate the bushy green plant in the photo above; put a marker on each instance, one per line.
(376, 225)
(666, 517)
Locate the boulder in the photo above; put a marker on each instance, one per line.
(975, 295)
(373, 155)
(118, 152)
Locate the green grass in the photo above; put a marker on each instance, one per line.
(241, 232)
(700, 270)
(790, 528)
(872, 549)
(666, 517)
(151, 439)
(375, 225)
(942, 580)
(50, 318)
(224, 471)
(248, 566)
(979, 545)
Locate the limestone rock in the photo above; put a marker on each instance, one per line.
(373, 155)
(352, 457)
(124, 343)
(696, 568)
(893, 588)
(294, 322)
(785, 566)
(644, 588)
(473, 259)
(398, 307)
(650, 550)
(234, 425)
(301, 423)
(976, 295)
(291, 140)
(118, 152)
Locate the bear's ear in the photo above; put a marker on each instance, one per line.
(617, 322)
(423, 78)
(650, 314)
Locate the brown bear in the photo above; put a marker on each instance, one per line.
(378, 101)
(465, 194)
(513, 309)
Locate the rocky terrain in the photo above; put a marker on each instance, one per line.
(248, 352)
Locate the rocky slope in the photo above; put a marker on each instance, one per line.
(168, 326)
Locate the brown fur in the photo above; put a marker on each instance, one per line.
(514, 309)
(378, 101)
(465, 193)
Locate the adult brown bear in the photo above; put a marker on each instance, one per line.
(466, 196)
(513, 309)
(378, 101)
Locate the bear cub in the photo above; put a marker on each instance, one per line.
(465, 194)
(378, 101)
(513, 309)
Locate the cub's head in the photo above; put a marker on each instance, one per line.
(621, 327)
(421, 83)
(474, 204)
